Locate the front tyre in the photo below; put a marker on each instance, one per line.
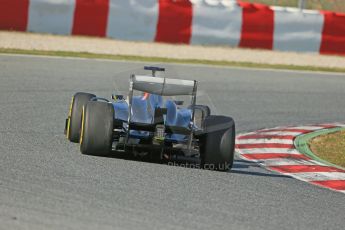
(97, 128)
(217, 144)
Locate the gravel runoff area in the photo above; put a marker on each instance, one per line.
(46, 42)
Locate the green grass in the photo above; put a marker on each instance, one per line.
(330, 147)
(169, 60)
(331, 5)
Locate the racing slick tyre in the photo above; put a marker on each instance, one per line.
(217, 143)
(73, 123)
(97, 128)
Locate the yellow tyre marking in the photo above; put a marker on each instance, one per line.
(82, 125)
(69, 118)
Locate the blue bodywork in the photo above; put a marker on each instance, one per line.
(143, 112)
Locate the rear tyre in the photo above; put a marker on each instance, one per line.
(217, 143)
(97, 128)
(74, 117)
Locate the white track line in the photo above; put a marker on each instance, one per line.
(264, 141)
(319, 176)
(306, 128)
(284, 161)
(279, 133)
(268, 150)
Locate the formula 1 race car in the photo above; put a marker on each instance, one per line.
(151, 123)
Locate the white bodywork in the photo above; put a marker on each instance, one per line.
(163, 86)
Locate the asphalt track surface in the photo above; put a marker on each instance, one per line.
(45, 183)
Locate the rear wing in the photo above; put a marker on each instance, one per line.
(163, 86)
